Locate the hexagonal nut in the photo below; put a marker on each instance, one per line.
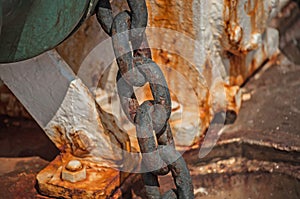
(73, 175)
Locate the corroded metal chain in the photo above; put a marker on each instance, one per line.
(136, 68)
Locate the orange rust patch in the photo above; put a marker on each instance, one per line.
(99, 183)
(257, 13)
(238, 71)
(231, 20)
(175, 15)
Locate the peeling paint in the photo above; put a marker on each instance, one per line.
(231, 41)
(77, 129)
(231, 44)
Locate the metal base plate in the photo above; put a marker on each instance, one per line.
(99, 183)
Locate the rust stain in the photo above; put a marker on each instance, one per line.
(231, 93)
(81, 144)
(257, 14)
(231, 23)
(171, 14)
(205, 107)
(238, 72)
(235, 50)
(59, 139)
(253, 66)
(100, 181)
(178, 16)
(207, 72)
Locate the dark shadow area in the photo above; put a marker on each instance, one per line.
(21, 137)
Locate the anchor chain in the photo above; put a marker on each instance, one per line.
(151, 118)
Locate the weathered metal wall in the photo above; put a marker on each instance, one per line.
(231, 41)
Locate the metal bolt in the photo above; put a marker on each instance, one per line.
(74, 165)
(74, 171)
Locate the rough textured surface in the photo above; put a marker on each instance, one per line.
(258, 155)
(66, 110)
(20, 183)
(22, 141)
(259, 163)
(230, 43)
(225, 58)
(268, 94)
(76, 128)
(64, 107)
(204, 53)
(268, 154)
(99, 182)
(288, 23)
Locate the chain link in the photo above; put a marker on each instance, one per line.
(151, 118)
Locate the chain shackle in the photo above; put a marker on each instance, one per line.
(151, 118)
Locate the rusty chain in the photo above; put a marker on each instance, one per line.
(136, 68)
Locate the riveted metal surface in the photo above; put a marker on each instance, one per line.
(33, 26)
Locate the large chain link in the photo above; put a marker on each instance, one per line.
(136, 68)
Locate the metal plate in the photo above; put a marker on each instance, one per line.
(32, 27)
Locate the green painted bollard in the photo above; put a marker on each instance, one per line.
(31, 27)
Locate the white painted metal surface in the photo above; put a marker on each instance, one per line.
(62, 105)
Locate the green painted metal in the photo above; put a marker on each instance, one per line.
(31, 27)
